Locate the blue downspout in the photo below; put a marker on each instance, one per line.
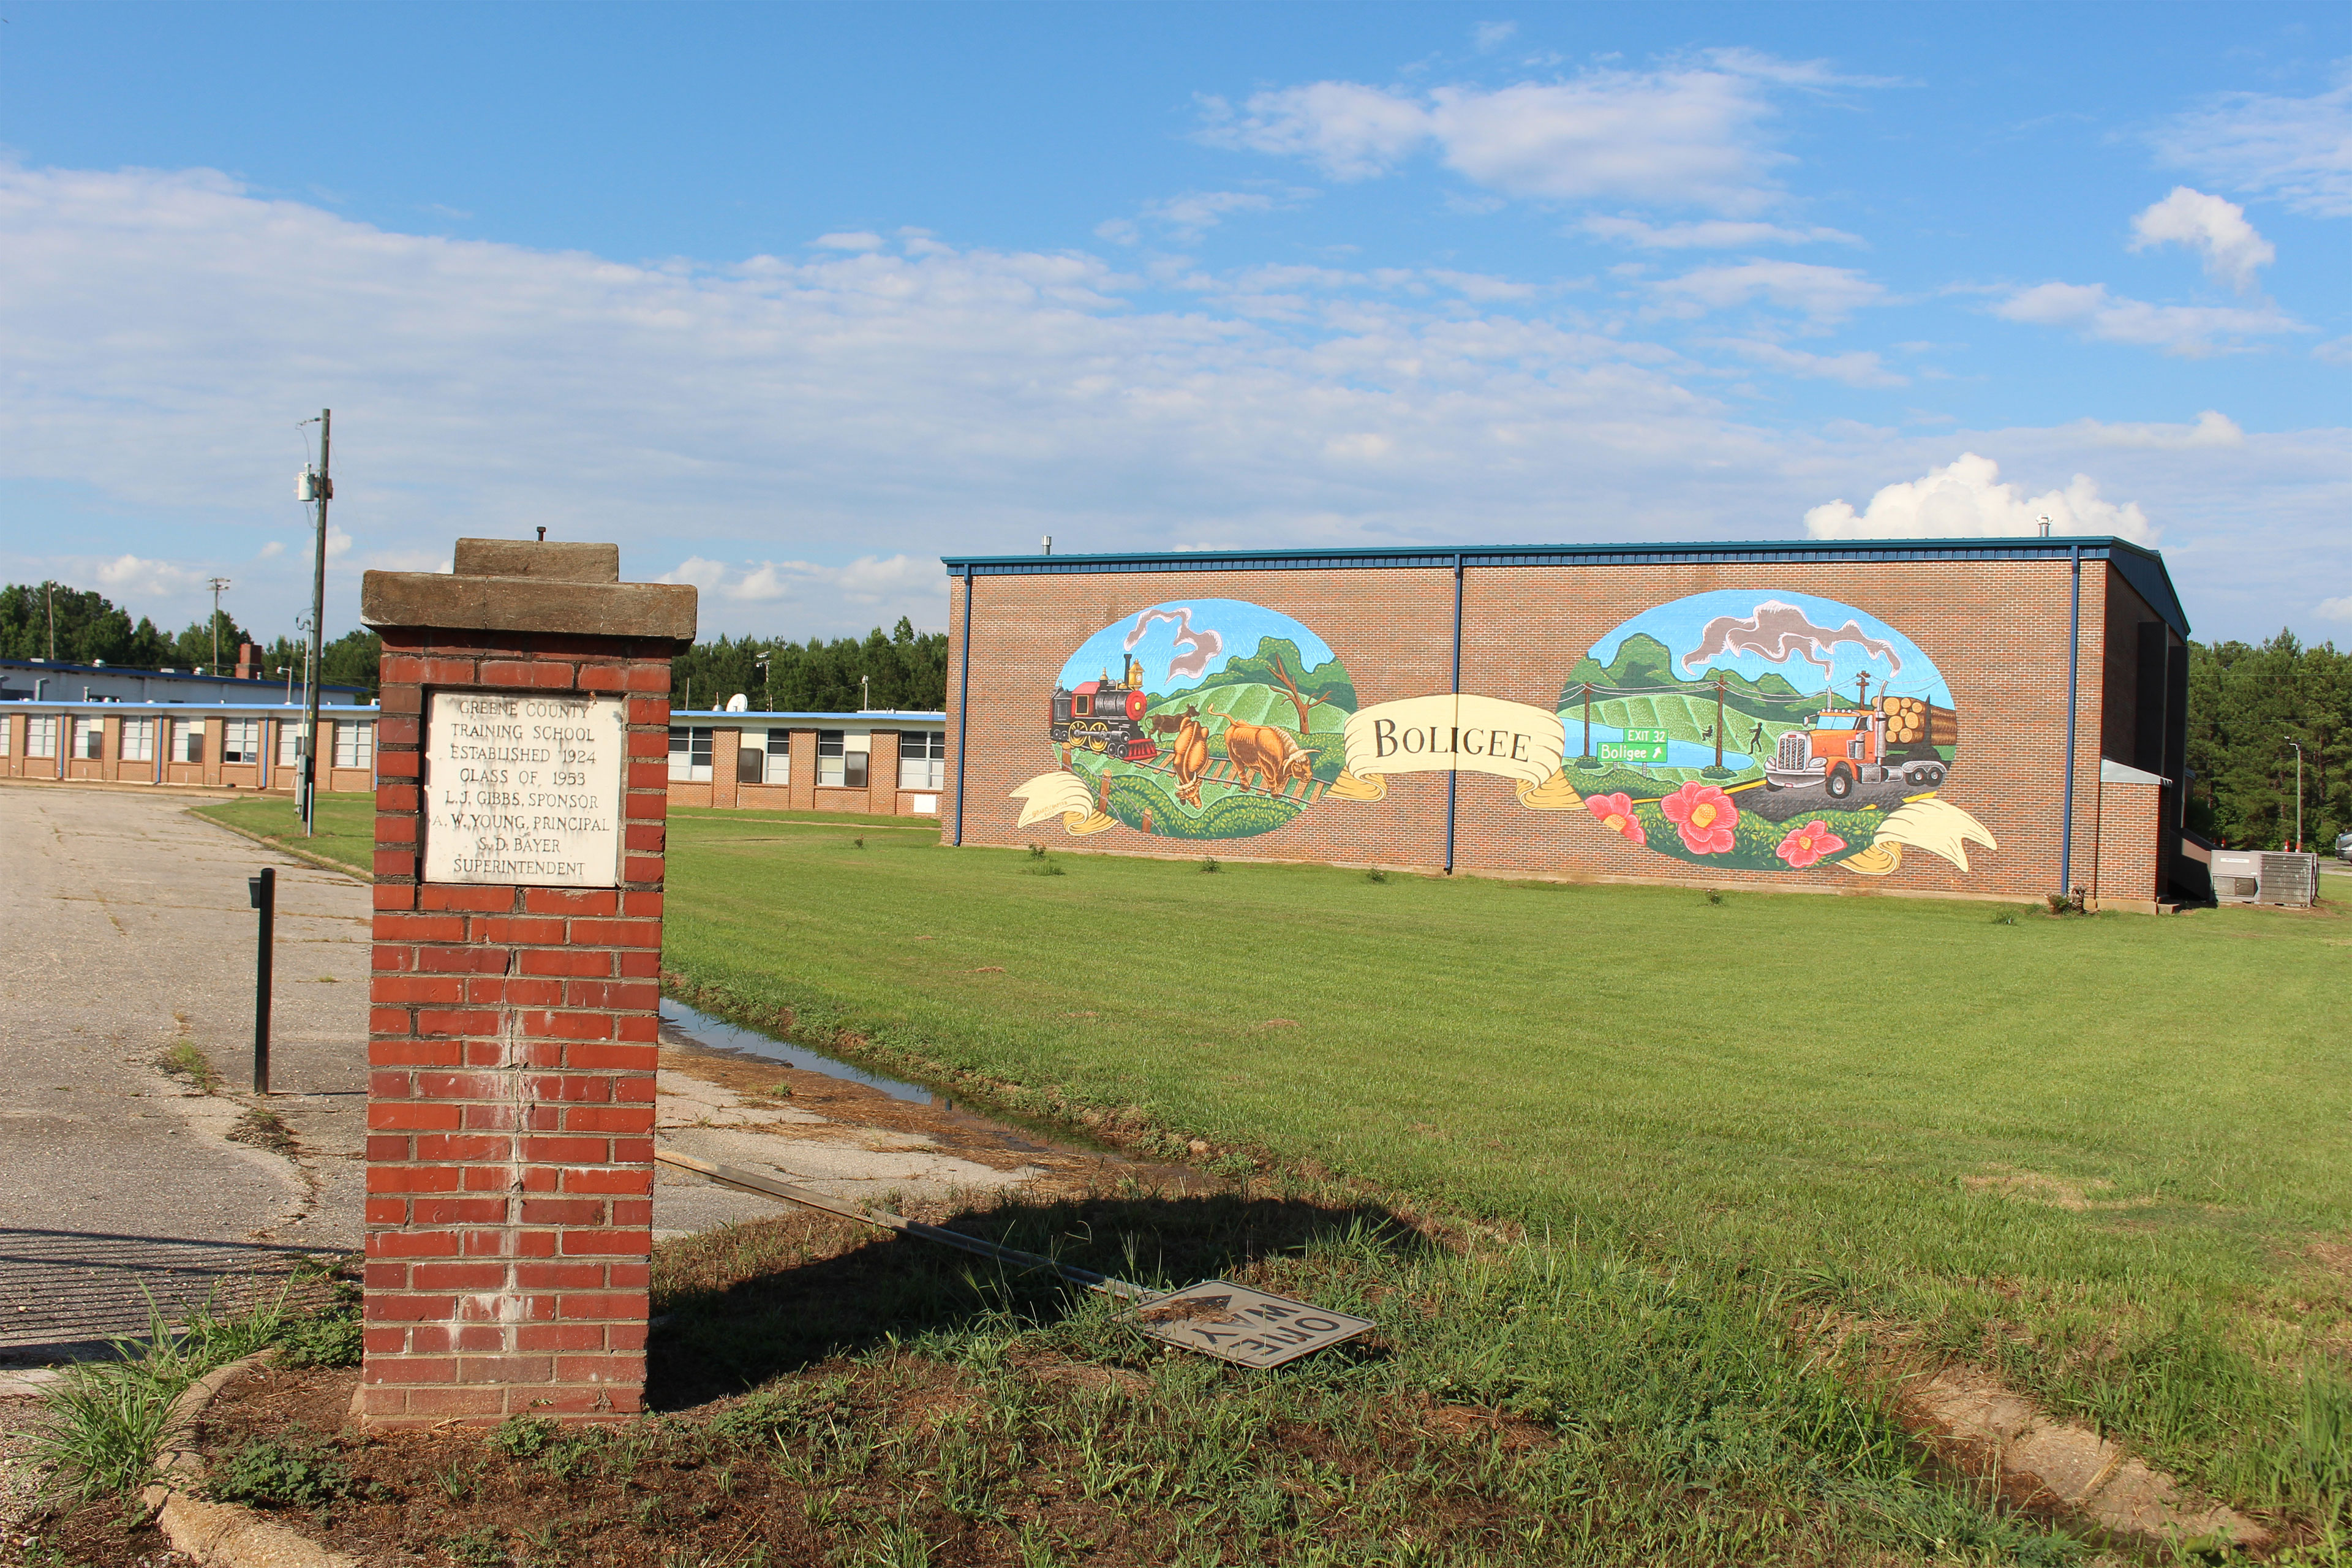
(2073, 666)
(1453, 775)
(963, 703)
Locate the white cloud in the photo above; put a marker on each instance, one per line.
(1481, 288)
(1686, 136)
(804, 413)
(1856, 369)
(271, 551)
(2336, 351)
(1490, 36)
(2190, 331)
(2212, 428)
(2298, 150)
(874, 588)
(1187, 217)
(1823, 293)
(2336, 609)
(2216, 229)
(136, 575)
(1714, 233)
(1966, 498)
(854, 239)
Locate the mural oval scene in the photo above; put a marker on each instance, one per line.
(1195, 719)
(1767, 731)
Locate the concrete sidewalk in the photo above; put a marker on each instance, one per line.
(125, 929)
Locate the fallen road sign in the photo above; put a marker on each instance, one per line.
(1235, 1323)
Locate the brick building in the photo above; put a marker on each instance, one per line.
(885, 764)
(220, 745)
(1985, 718)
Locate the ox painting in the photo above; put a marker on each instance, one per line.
(1197, 719)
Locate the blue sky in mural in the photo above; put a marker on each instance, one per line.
(1185, 640)
(791, 299)
(1809, 642)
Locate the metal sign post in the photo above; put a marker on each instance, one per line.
(263, 890)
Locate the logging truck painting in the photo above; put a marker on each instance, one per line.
(1767, 731)
(1196, 718)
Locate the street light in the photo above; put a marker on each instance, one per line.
(767, 692)
(2290, 741)
(218, 584)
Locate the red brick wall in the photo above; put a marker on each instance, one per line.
(511, 1091)
(1995, 630)
(2126, 866)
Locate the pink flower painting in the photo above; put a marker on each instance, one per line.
(1806, 844)
(1615, 812)
(1706, 817)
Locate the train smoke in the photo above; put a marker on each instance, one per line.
(1777, 631)
(1196, 645)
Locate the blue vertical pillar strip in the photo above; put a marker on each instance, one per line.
(2073, 668)
(1454, 775)
(964, 702)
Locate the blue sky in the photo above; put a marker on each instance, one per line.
(789, 301)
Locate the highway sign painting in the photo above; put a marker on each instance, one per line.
(1235, 1323)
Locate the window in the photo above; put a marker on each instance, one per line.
(689, 755)
(751, 764)
(90, 739)
(41, 736)
(780, 756)
(139, 740)
(240, 740)
(354, 745)
(922, 758)
(187, 740)
(841, 758)
(7, 730)
(289, 744)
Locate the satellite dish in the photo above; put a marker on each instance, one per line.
(738, 703)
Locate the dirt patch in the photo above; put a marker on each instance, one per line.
(1480, 1423)
(2052, 1470)
(2335, 1257)
(2054, 1191)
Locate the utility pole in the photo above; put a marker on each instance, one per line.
(1719, 721)
(321, 489)
(49, 593)
(2290, 741)
(218, 584)
(865, 695)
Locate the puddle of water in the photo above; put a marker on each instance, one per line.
(688, 1026)
(696, 1027)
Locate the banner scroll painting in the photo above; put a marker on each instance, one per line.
(1737, 729)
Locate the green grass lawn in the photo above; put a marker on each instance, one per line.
(346, 826)
(2105, 1156)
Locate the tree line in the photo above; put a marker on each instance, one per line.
(74, 625)
(2249, 704)
(901, 668)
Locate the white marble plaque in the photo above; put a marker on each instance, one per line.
(524, 789)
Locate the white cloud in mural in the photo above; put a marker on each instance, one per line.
(1966, 498)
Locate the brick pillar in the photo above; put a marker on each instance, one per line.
(513, 1004)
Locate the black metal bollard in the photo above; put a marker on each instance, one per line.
(264, 892)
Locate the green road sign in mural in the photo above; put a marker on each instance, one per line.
(1638, 749)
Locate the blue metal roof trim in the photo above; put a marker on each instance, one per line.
(2143, 568)
(883, 720)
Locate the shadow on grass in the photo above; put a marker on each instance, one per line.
(754, 1301)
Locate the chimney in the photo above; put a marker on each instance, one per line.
(248, 662)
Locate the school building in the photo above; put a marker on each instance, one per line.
(1993, 718)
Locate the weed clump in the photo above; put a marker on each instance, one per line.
(268, 1472)
(1376, 874)
(264, 1129)
(186, 1061)
(1209, 863)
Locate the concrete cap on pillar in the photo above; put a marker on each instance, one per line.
(526, 585)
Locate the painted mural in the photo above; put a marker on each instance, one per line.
(1194, 719)
(1771, 731)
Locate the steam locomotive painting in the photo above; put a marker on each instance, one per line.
(1104, 715)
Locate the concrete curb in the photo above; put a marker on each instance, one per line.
(282, 848)
(222, 1534)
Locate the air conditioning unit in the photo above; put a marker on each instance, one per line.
(2262, 877)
